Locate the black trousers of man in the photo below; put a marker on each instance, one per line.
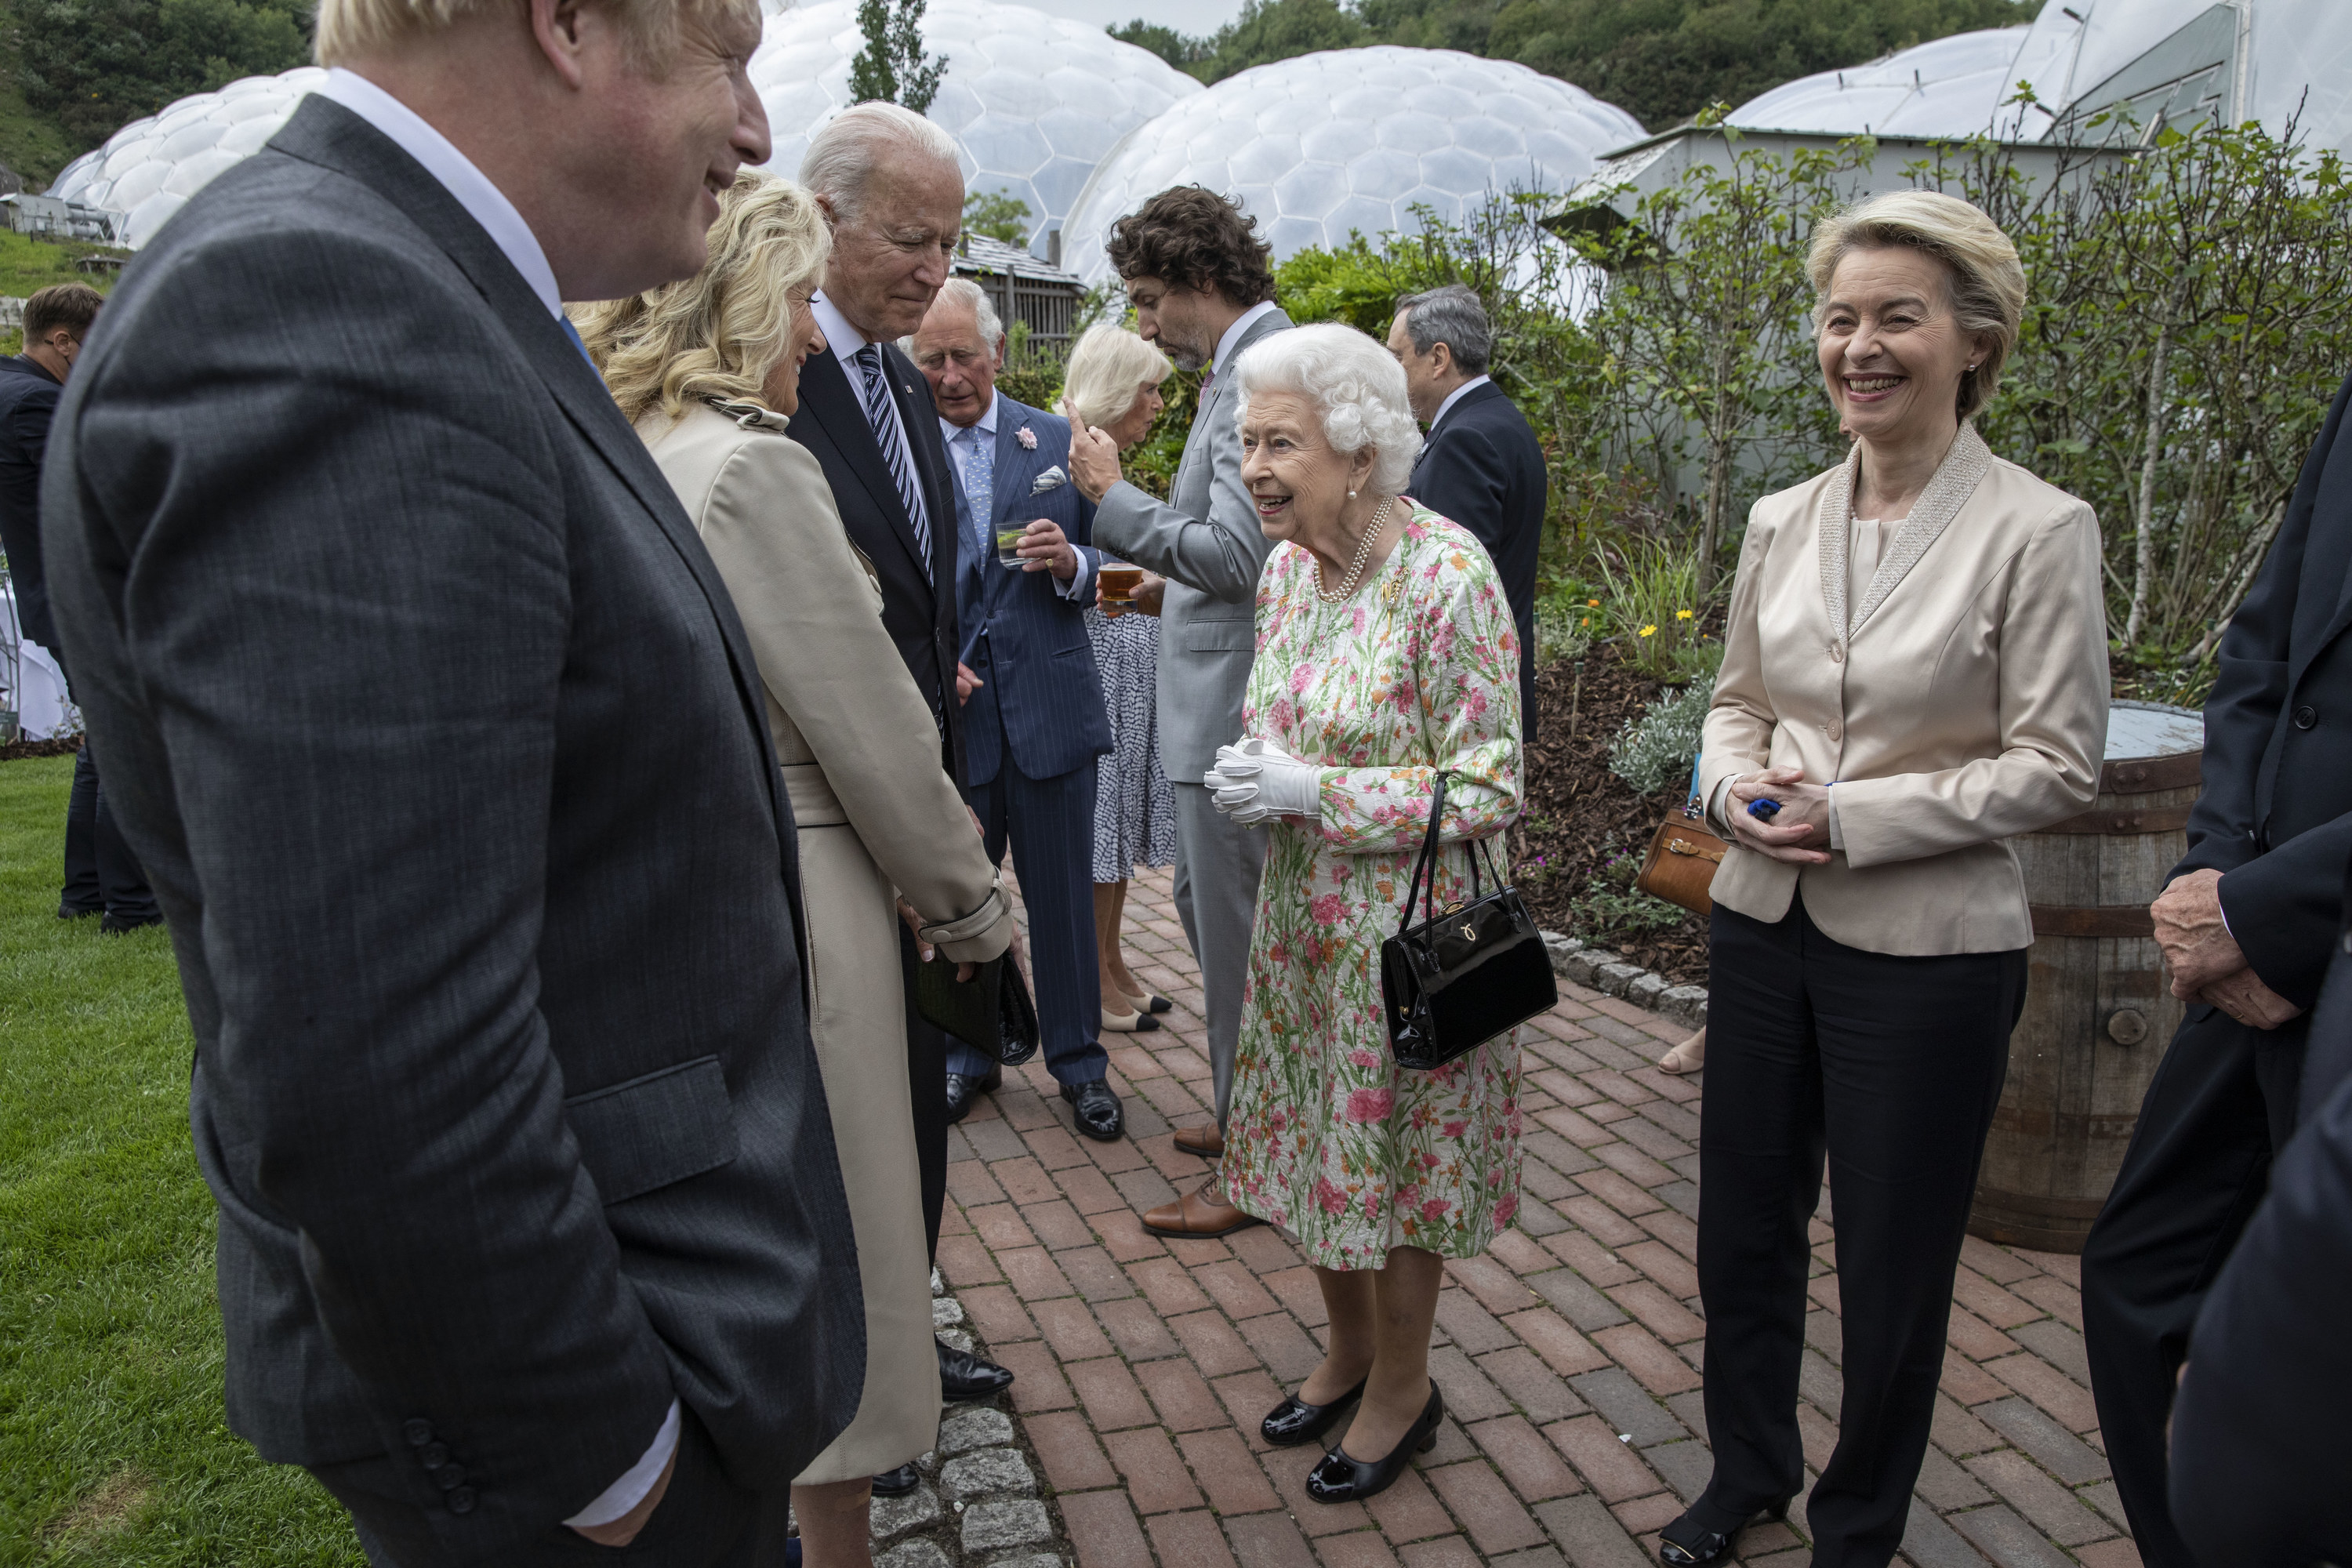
(102, 876)
(2222, 1103)
(1892, 1067)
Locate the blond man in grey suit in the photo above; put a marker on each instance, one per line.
(1202, 288)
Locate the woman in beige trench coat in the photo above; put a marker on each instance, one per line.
(709, 370)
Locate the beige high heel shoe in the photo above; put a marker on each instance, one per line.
(1135, 1023)
(1687, 1058)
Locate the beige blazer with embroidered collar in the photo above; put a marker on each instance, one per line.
(1962, 702)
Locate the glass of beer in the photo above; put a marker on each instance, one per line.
(1119, 583)
(1008, 545)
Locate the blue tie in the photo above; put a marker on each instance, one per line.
(573, 333)
(876, 394)
(980, 484)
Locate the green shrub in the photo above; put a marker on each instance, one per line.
(1651, 605)
(1655, 751)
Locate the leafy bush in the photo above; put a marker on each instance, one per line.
(1655, 751)
(1611, 904)
(1649, 603)
(96, 64)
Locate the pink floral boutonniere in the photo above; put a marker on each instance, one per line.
(1027, 437)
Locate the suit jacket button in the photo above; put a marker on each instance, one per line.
(461, 1501)
(1833, 730)
(2304, 718)
(417, 1430)
(1837, 653)
(449, 1477)
(433, 1455)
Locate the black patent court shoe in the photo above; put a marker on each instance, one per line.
(1339, 1478)
(1293, 1421)
(1686, 1542)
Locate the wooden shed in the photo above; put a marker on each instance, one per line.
(1039, 294)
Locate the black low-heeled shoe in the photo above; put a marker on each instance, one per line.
(1339, 1478)
(1293, 1421)
(1685, 1543)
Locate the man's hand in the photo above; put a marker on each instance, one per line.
(924, 949)
(624, 1530)
(2245, 998)
(966, 683)
(1800, 834)
(1150, 590)
(1094, 459)
(2198, 949)
(1044, 549)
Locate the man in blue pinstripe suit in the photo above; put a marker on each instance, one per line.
(1032, 707)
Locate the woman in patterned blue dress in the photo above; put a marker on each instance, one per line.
(1113, 382)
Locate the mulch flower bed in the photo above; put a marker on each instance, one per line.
(22, 748)
(1586, 830)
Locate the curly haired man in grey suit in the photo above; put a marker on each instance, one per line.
(444, 750)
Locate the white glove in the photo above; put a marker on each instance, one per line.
(1257, 780)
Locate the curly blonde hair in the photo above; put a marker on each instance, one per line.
(721, 332)
(1108, 369)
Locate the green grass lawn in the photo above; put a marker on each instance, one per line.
(112, 1444)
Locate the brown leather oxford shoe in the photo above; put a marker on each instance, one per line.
(1206, 1142)
(1199, 1215)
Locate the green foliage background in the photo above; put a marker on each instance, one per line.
(1662, 60)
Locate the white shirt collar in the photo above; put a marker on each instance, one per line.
(1454, 396)
(483, 202)
(1226, 345)
(843, 338)
(985, 424)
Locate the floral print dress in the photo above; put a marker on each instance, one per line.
(1327, 1137)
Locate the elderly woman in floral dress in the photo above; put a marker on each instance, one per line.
(1385, 653)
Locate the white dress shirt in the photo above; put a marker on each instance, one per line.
(1233, 335)
(1454, 397)
(488, 206)
(846, 340)
(962, 441)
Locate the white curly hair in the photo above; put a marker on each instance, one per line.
(1355, 384)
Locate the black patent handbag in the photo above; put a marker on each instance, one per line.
(991, 1011)
(1465, 974)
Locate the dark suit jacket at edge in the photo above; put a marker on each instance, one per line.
(919, 609)
(1040, 694)
(441, 744)
(2275, 817)
(1483, 467)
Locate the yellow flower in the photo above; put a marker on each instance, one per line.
(1587, 620)
(1682, 614)
(1593, 604)
(1649, 631)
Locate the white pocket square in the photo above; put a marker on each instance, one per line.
(1052, 479)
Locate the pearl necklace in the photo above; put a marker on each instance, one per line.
(1347, 589)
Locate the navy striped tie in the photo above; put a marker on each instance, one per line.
(876, 393)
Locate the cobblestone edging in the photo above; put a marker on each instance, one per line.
(977, 1505)
(1602, 971)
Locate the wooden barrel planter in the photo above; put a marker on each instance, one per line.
(2097, 1014)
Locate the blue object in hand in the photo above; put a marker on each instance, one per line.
(1764, 810)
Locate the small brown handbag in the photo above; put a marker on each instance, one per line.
(1683, 854)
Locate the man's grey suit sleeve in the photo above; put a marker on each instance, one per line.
(1220, 557)
(341, 567)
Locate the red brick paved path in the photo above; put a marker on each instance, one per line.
(1568, 1354)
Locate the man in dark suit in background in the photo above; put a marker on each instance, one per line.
(890, 184)
(102, 876)
(531, 1227)
(2258, 1445)
(2246, 926)
(1034, 722)
(1482, 465)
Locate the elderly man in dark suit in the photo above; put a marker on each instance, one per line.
(430, 720)
(890, 184)
(102, 876)
(1033, 720)
(1482, 465)
(2247, 925)
(2258, 1448)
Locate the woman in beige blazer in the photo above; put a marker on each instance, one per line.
(1915, 669)
(709, 369)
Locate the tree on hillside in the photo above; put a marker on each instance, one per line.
(95, 65)
(891, 66)
(1662, 60)
(997, 216)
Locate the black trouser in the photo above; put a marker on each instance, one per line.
(2222, 1103)
(1893, 1066)
(102, 876)
(927, 1086)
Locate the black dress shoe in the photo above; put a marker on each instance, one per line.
(67, 912)
(965, 1376)
(1686, 1542)
(962, 1092)
(1098, 1113)
(896, 1483)
(1339, 1478)
(1293, 1421)
(115, 925)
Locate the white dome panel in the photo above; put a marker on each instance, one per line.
(1029, 97)
(1374, 129)
(150, 167)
